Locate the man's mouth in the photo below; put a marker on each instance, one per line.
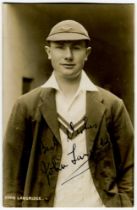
(68, 65)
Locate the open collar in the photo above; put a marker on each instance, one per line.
(85, 83)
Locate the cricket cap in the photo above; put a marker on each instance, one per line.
(68, 30)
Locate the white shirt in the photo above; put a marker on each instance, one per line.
(75, 187)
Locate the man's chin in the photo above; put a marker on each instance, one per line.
(72, 76)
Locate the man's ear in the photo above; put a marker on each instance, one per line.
(47, 49)
(88, 51)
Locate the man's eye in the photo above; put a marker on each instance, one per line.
(76, 47)
(59, 46)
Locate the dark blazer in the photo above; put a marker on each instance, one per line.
(32, 149)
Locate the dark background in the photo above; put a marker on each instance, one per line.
(111, 28)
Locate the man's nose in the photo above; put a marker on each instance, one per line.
(68, 54)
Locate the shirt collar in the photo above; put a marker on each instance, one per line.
(85, 84)
(51, 82)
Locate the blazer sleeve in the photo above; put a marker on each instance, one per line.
(15, 156)
(123, 144)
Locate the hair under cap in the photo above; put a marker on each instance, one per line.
(68, 30)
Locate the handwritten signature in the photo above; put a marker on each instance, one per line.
(54, 166)
(81, 129)
(45, 148)
(74, 157)
(51, 167)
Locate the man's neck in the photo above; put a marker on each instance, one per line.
(68, 86)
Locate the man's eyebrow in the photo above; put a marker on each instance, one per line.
(72, 43)
(69, 42)
(60, 42)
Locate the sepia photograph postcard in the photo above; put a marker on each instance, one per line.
(68, 104)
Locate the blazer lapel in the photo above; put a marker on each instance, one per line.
(94, 113)
(48, 110)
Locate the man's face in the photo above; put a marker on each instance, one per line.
(68, 57)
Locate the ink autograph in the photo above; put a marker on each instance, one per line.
(81, 129)
(51, 167)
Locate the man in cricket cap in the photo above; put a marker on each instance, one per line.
(69, 142)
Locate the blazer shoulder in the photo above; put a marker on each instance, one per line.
(32, 98)
(110, 100)
(113, 104)
(109, 96)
